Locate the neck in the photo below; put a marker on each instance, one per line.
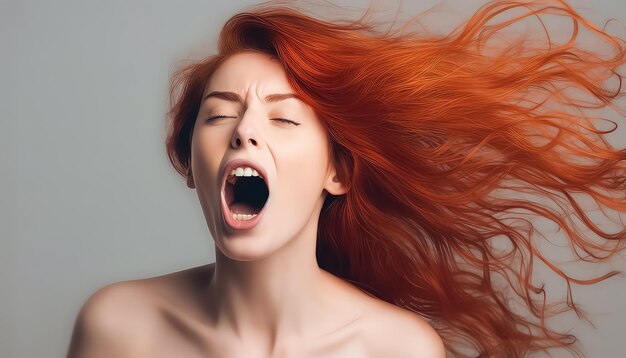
(275, 298)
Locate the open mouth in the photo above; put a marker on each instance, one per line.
(245, 196)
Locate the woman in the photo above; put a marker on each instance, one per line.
(349, 179)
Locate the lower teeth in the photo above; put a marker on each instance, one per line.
(243, 217)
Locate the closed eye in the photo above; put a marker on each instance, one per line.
(217, 117)
(286, 121)
(283, 120)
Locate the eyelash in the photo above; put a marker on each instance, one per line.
(278, 119)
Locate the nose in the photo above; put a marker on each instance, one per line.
(238, 141)
(246, 133)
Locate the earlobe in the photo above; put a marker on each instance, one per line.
(335, 186)
(190, 182)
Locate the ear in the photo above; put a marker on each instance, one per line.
(190, 182)
(334, 185)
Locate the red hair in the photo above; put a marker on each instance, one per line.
(435, 135)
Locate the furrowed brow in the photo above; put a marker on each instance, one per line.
(234, 97)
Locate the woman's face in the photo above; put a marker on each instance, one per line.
(292, 157)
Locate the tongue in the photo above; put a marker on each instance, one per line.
(242, 208)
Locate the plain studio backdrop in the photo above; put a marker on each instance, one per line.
(87, 195)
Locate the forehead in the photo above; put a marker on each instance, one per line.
(248, 69)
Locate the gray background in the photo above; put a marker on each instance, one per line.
(87, 194)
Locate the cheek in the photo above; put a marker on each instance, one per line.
(215, 138)
(303, 168)
(208, 150)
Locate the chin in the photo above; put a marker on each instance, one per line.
(246, 248)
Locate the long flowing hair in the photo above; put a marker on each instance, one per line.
(449, 144)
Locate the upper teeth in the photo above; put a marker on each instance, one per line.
(243, 172)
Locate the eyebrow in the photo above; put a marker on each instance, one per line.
(234, 97)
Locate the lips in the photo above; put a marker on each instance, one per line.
(231, 222)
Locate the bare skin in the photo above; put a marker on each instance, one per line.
(265, 296)
(167, 316)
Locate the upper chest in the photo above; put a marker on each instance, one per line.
(350, 330)
(181, 336)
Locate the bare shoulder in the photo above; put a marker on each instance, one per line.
(112, 321)
(396, 332)
(122, 319)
